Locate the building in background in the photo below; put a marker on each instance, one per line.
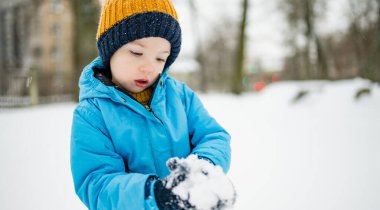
(36, 36)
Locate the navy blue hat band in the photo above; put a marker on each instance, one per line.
(142, 25)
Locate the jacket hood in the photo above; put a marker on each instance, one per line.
(91, 87)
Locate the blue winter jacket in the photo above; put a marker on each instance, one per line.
(117, 143)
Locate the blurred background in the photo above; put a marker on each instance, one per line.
(295, 82)
(228, 46)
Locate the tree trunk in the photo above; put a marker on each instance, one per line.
(33, 86)
(374, 54)
(356, 38)
(323, 70)
(34, 49)
(199, 55)
(86, 15)
(377, 67)
(309, 37)
(238, 77)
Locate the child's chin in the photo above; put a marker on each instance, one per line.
(138, 90)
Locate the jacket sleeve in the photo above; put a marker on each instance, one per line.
(98, 171)
(208, 138)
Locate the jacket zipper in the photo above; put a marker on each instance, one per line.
(149, 109)
(154, 114)
(166, 132)
(165, 129)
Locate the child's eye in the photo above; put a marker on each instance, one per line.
(136, 53)
(161, 60)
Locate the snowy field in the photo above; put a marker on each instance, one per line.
(320, 153)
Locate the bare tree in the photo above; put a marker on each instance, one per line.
(86, 14)
(373, 70)
(221, 55)
(364, 34)
(302, 18)
(217, 67)
(377, 48)
(199, 54)
(237, 87)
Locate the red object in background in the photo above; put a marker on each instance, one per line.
(258, 86)
(275, 78)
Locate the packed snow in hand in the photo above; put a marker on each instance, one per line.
(204, 185)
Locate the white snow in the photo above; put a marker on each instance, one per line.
(204, 185)
(322, 152)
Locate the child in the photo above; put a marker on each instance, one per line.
(132, 117)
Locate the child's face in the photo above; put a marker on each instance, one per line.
(137, 65)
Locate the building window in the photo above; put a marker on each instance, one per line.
(56, 53)
(9, 41)
(56, 5)
(17, 42)
(56, 50)
(11, 31)
(2, 40)
(56, 30)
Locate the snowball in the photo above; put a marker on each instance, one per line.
(204, 185)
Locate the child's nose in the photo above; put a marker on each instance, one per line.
(146, 67)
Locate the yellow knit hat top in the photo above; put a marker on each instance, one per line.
(114, 11)
(123, 21)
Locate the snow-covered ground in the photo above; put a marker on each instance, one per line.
(320, 153)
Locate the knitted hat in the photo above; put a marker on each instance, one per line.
(124, 21)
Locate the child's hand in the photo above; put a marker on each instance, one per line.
(195, 184)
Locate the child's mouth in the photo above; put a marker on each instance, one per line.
(141, 83)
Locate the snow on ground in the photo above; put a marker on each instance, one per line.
(34, 159)
(322, 152)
